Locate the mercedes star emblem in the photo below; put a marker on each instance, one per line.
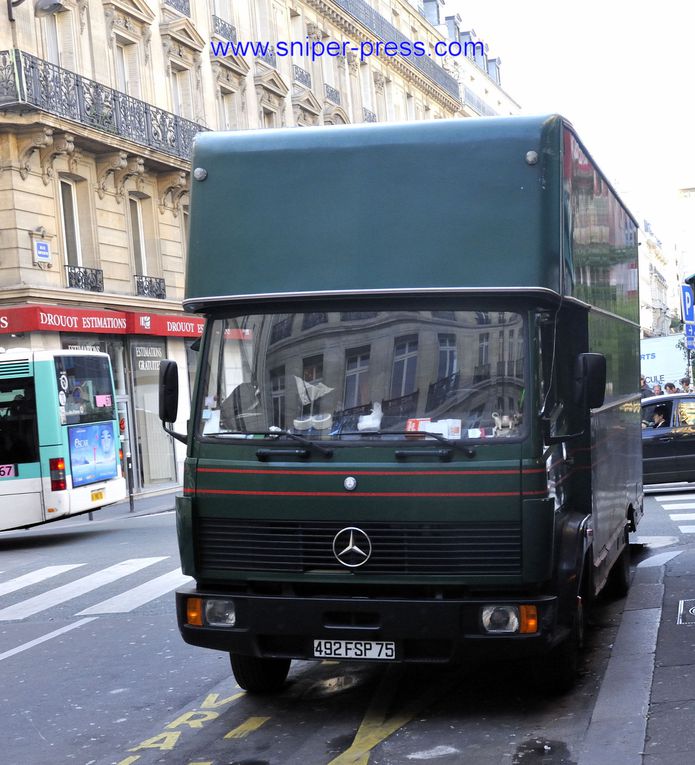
(351, 547)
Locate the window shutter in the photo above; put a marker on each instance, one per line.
(132, 61)
(66, 41)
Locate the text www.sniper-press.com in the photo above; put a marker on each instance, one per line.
(314, 49)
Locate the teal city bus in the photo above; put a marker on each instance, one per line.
(415, 432)
(59, 437)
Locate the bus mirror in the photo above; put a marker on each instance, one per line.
(590, 380)
(168, 390)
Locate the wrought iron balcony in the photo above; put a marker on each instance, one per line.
(368, 115)
(332, 94)
(384, 30)
(224, 29)
(90, 279)
(477, 103)
(301, 76)
(150, 286)
(27, 81)
(270, 58)
(182, 6)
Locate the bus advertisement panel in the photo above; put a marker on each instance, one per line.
(92, 453)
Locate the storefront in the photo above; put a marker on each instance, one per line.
(136, 343)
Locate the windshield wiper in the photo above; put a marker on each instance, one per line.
(275, 431)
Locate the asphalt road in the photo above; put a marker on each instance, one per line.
(93, 671)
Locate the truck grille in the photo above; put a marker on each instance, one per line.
(491, 549)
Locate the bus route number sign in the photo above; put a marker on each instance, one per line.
(8, 471)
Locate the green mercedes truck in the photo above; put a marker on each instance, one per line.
(415, 428)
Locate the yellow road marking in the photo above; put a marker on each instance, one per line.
(213, 700)
(377, 726)
(194, 719)
(129, 760)
(243, 730)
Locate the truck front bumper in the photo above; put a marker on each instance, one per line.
(422, 630)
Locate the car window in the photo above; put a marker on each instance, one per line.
(649, 410)
(685, 413)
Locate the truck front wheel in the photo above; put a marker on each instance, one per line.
(259, 674)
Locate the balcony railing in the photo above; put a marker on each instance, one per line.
(150, 286)
(332, 94)
(384, 30)
(301, 76)
(90, 279)
(270, 58)
(182, 6)
(224, 29)
(29, 81)
(368, 115)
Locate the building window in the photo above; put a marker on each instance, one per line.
(447, 356)
(71, 228)
(356, 378)
(60, 40)
(228, 110)
(404, 366)
(277, 392)
(128, 69)
(181, 92)
(137, 236)
(484, 348)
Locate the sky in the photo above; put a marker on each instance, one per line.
(621, 72)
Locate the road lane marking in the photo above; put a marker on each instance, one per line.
(675, 497)
(49, 636)
(377, 725)
(34, 577)
(138, 596)
(678, 506)
(687, 529)
(682, 516)
(74, 589)
(661, 559)
(251, 725)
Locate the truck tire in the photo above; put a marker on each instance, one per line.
(561, 666)
(259, 674)
(618, 584)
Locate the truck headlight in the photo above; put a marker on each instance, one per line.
(501, 619)
(220, 612)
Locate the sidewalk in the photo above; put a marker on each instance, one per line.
(645, 710)
(143, 504)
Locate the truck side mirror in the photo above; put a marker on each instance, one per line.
(590, 380)
(168, 390)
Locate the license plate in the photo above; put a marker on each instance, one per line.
(354, 649)
(97, 496)
(8, 471)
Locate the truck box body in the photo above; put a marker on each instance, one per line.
(390, 435)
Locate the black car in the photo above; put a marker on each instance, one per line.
(668, 438)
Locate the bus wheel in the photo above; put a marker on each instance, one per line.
(259, 674)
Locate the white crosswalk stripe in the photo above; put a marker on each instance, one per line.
(138, 596)
(66, 592)
(672, 502)
(34, 577)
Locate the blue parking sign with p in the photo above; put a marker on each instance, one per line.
(688, 303)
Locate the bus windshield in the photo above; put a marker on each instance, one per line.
(85, 382)
(18, 441)
(458, 374)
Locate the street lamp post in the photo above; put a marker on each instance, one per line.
(11, 5)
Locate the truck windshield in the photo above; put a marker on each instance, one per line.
(371, 374)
